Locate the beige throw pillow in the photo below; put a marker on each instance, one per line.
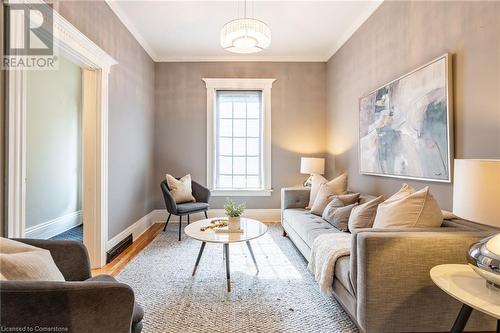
(180, 189)
(409, 209)
(324, 198)
(363, 215)
(316, 182)
(326, 193)
(23, 262)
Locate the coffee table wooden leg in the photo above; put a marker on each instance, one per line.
(199, 257)
(228, 274)
(253, 256)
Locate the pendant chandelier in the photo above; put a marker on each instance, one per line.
(245, 35)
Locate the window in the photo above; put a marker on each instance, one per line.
(239, 136)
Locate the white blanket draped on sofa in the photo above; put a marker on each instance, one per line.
(326, 249)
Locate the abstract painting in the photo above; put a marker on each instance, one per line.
(404, 126)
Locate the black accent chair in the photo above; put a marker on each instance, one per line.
(200, 193)
(81, 304)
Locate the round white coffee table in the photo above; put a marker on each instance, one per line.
(463, 284)
(252, 229)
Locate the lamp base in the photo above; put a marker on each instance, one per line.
(308, 182)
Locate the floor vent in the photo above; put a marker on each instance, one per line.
(118, 248)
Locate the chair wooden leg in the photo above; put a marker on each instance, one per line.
(166, 223)
(188, 219)
(206, 215)
(180, 227)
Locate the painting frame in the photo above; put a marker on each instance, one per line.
(448, 82)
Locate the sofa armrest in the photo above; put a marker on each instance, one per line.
(71, 257)
(77, 307)
(200, 192)
(393, 286)
(295, 197)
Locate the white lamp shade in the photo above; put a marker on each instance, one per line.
(312, 165)
(476, 191)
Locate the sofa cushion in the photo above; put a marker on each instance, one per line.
(364, 215)
(328, 191)
(308, 226)
(339, 217)
(342, 273)
(138, 312)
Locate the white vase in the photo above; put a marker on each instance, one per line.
(233, 223)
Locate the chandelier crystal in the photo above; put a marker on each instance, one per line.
(245, 35)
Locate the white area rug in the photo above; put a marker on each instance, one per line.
(283, 297)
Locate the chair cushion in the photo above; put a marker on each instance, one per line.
(138, 313)
(308, 226)
(180, 189)
(191, 207)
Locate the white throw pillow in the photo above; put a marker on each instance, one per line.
(180, 189)
(409, 209)
(23, 262)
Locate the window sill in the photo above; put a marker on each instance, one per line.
(241, 193)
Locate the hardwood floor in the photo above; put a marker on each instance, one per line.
(114, 267)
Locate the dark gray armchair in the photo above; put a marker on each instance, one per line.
(81, 304)
(200, 193)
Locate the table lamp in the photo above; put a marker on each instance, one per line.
(311, 166)
(476, 197)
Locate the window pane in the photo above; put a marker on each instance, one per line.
(240, 128)
(239, 182)
(253, 181)
(253, 146)
(225, 127)
(239, 165)
(239, 147)
(253, 110)
(225, 165)
(225, 181)
(226, 110)
(253, 127)
(225, 146)
(253, 165)
(240, 110)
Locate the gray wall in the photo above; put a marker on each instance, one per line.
(53, 143)
(397, 38)
(131, 111)
(298, 120)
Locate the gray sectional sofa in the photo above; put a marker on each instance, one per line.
(384, 285)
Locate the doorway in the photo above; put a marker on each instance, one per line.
(54, 152)
(96, 64)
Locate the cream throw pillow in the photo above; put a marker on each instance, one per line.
(328, 191)
(335, 186)
(23, 262)
(316, 182)
(180, 189)
(363, 215)
(324, 197)
(409, 209)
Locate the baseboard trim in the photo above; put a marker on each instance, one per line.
(136, 229)
(160, 216)
(55, 226)
(264, 215)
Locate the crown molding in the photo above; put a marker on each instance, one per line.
(353, 28)
(253, 58)
(115, 7)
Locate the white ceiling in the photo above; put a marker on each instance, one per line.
(189, 30)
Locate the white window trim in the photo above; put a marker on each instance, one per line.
(265, 86)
